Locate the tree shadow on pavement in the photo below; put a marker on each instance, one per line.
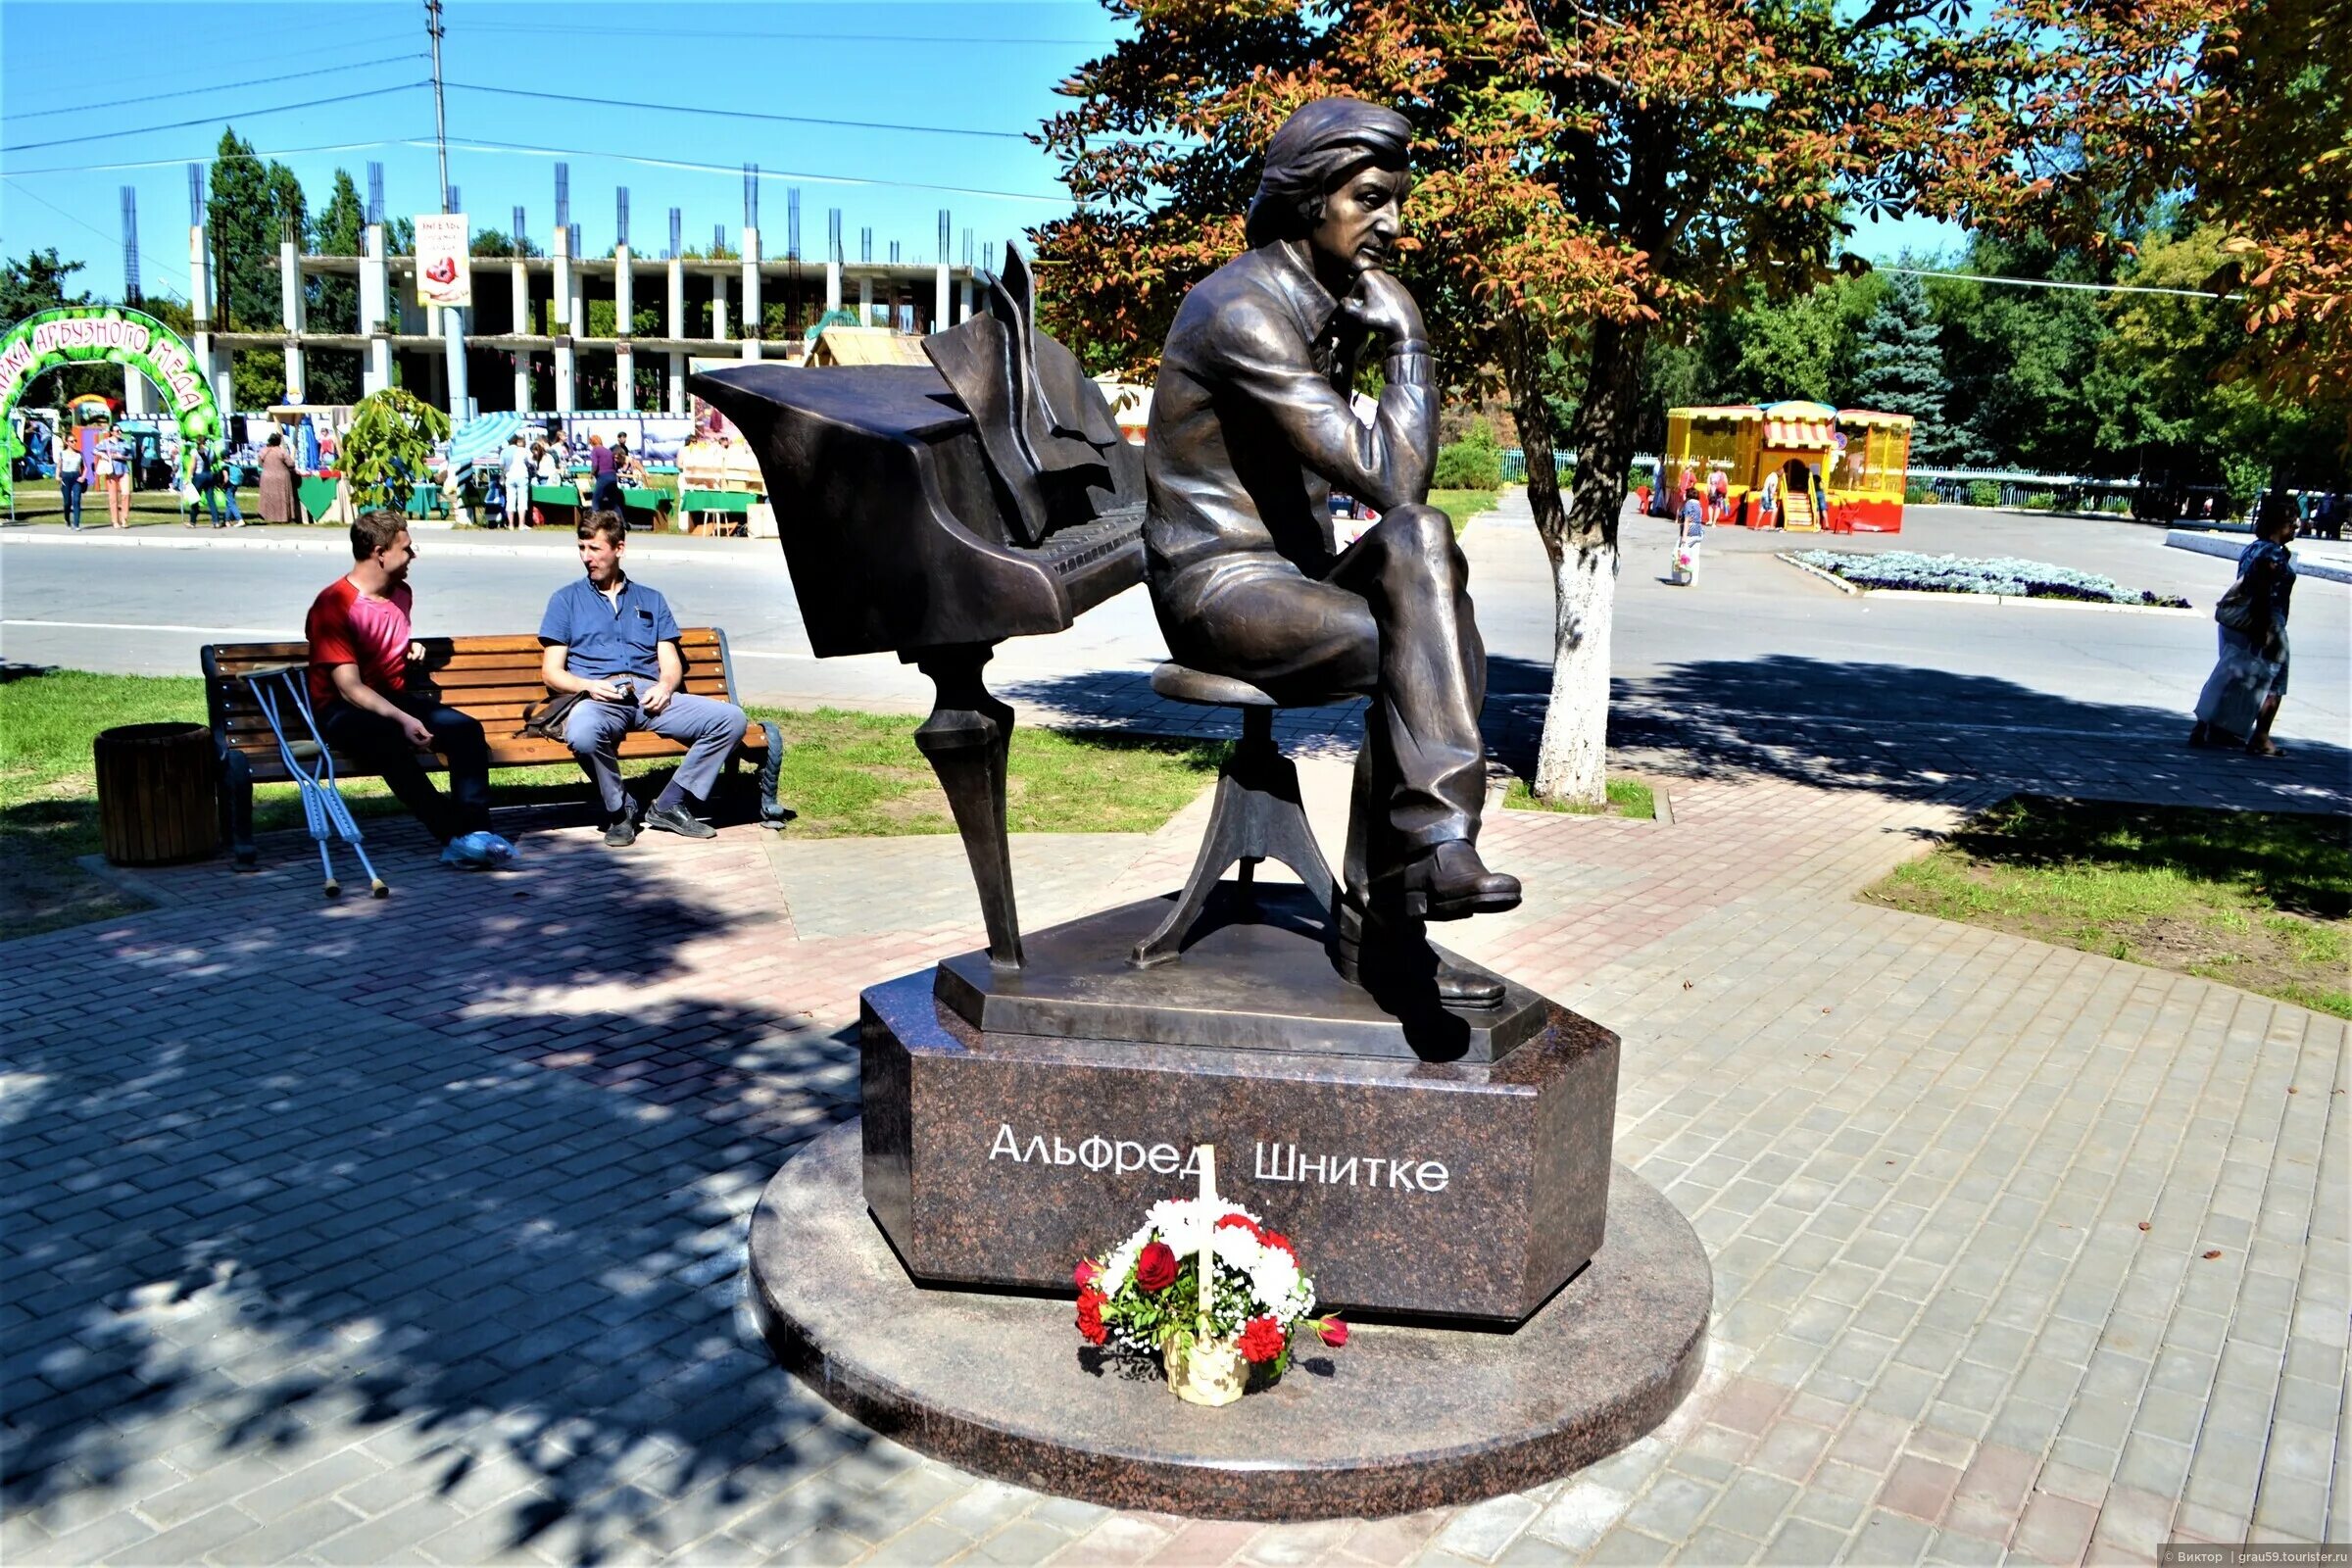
(369, 1227)
(1834, 724)
(1909, 731)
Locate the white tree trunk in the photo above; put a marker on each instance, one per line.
(1572, 761)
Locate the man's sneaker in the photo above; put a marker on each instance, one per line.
(678, 819)
(477, 851)
(621, 832)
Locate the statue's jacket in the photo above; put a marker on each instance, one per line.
(1252, 427)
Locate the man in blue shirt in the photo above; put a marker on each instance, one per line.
(614, 639)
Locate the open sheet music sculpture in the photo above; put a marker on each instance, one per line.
(1251, 430)
(933, 510)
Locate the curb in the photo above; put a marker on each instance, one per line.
(2014, 601)
(323, 541)
(2228, 547)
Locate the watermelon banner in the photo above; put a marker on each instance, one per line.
(115, 334)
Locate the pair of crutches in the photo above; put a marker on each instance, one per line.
(323, 805)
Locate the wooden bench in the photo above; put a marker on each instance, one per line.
(492, 679)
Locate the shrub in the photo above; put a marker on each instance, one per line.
(1474, 463)
(2040, 501)
(1983, 493)
(1917, 492)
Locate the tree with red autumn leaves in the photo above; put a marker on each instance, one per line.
(1588, 172)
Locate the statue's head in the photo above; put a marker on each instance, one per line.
(1334, 178)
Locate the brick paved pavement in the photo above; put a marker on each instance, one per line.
(411, 1231)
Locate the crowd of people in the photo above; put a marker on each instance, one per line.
(611, 659)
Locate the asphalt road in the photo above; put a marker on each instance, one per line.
(1752, 634)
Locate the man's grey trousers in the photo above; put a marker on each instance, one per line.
(708, 728)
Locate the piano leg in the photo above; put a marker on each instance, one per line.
(966, 737)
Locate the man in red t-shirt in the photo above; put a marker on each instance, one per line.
(360, 654)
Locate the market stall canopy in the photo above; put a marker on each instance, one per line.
(1871, 416)
(867, 345)
(1800, 427)
(480, 439)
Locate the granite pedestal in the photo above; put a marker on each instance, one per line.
(1402, 1418)
(1464, 1190)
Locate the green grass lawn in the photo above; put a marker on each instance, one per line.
(2262, 899)
(1628, 797)
(37, 501)
(1462, 504)
(844, 774)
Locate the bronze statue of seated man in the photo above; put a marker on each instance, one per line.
(1251, 430)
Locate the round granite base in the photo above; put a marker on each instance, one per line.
(1400, 1419)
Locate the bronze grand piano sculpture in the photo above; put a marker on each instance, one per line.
(934, 511)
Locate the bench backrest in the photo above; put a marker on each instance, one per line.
(493, 679)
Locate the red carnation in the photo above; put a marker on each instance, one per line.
(1089, 1316)
(1333, 1331)
(1087, 1272)
(1242, 1222)
(1262, 1339)
(1279, 1243)
(1155, 1267)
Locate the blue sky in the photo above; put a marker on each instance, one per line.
(82, 74)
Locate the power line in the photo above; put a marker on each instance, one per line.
(732, 114)
(216, 118)
(2051, 282)
(111, 239)
(200, 158)
(343, 46)
(732, 33)
(690, 166)
(255, 82)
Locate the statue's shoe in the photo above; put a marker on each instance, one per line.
(1396, 965)
(1450, 882)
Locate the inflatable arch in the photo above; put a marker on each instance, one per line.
(115, 334)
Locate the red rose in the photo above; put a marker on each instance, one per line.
(1240, 1222)
(1262, 1339)
(1333, 1331)
(1279, 1243)
(1087, 1272)
(1155, 1267)
(1089, 1316)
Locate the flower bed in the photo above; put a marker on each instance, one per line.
(2005, 575)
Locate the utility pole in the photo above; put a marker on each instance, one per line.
(453, 317)
(433, 30)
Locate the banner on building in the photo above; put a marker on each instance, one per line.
(444, 272)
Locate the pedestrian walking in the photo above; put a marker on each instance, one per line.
(69, 481)
(604, 477)
(515, 474)
(114, 473)
(222, 499)
(2241, 696)
(280, 502)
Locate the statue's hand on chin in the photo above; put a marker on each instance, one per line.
(1380, 304)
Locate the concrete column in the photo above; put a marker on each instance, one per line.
(624, 358)
(292, 309)
(375, 313)
(718, 307)
(865, 302)
(967, 300)
(518, 276)
(565, 306)
(752, 326)
(677, 329)
(832, 283)
(137, 399)
(943, 300)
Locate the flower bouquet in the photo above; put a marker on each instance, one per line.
(1206, 1287)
